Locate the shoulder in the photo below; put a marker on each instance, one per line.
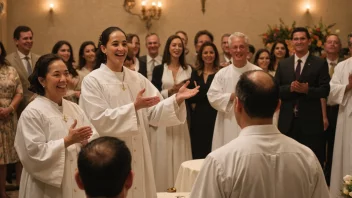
(254, 67)
(143, 59)
(159, 68)
(316, 59)
(35, 56)
(11, 57)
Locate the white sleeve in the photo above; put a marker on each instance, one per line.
(210, 181)
(43, 159)
(217, 97)
(321, 189)
(107, 121)
(337, 88)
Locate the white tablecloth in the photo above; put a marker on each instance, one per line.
(173, 195)
(187, 175)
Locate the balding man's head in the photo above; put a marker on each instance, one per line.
(258, 92)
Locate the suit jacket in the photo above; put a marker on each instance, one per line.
(316, 73)
(143, 65)
(16, 62)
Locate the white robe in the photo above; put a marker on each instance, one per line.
(341, 163)
(219, 93)
(49, 167)
(172, 147)
(111, 110)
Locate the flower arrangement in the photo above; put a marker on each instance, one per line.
(318, 34)
(280, 32)
(347, 186)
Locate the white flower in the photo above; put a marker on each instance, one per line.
(348, 182)
(345, 191)
(350, 194)
(347, 178)
(337, 31)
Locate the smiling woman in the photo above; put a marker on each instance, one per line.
(49, 134)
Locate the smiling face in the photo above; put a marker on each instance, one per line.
(264, 60)
(25, 42)
(89, 53)
(176, 48)
(64, 52)
(153, 45)
(115, 49)
(279, 51)
(55, 81)
(332, 45)
(301, 43)
(225, 45)
(208, 55)
(239, 49)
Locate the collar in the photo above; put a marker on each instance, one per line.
(259, 130)
(22, 56)
(157, 58)
(303, 58)
(330, 61)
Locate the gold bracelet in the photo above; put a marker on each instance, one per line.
(13, 109)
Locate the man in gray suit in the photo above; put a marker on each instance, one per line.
(23, 60)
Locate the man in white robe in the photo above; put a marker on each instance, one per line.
(221, 92)
(49, 167)
(261, 161)
(341, 94)
(108, 99)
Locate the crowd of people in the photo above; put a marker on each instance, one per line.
(247, 112)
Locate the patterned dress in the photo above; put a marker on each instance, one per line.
(10, 85)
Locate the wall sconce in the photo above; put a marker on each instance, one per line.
(51, 7)
(148, 13)
(308, 7)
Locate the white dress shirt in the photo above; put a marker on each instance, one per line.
(150, 68)
(261, 162)
(23, 59)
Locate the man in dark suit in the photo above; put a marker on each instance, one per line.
(304, 81)
(152, 59)
(332, 47)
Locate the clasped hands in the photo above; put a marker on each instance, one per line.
(299, 87)
(5, 112)
(182, 94)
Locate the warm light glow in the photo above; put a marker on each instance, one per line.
(153, 3)
(159, 4)
(51, 6)
(144, 3)
(308, 6)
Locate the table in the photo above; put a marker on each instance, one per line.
(187, 175)
(173, 195)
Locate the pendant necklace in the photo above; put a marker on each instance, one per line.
(65, 118)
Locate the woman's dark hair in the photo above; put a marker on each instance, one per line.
(103, 40)
(167, 54)
(203, 32)
(40, 70)
(3, 55)
(256, 58)
(200, 59)
(129, 38)
(82, 60)
(272, 54)
(70, 61)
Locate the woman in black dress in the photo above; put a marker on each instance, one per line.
(204, 115)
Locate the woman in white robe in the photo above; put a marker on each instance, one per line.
(49, 135)
(341, 94)
(122, 103)
(168, 78)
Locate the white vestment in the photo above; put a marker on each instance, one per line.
(223, 85)
(111, 110)
(49, 167)
(341, 163)
(261, 162)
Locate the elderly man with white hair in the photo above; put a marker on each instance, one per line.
(221, 92)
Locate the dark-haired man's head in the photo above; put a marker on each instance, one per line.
(257, 98)
(23, 38)
(301, 41)
(202, 37)
(104, 168)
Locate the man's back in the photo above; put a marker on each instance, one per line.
(261, 162)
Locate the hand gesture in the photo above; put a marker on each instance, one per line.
(144, 102)
(5, 112)
(185, 93)
(78, 135)
(299, 87)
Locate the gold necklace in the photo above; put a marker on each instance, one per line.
(65, 118)
(123, 79)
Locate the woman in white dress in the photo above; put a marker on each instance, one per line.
(168, 78)
(123, 103)
(50, 133)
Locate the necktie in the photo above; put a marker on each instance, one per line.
(298, 69)
(28, 65)
(332, 68)
(153, 65)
